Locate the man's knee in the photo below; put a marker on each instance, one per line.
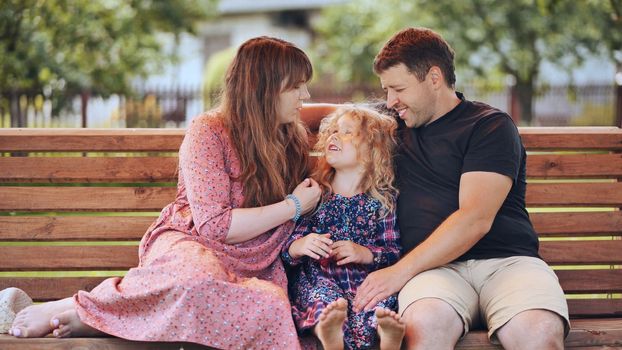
(541, 329)
(431, 323)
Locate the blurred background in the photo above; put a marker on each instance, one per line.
(159, 63)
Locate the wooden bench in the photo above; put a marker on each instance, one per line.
(74, 201)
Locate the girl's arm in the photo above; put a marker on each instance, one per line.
(302, 228)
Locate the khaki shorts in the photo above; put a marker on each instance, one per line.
(490, 292)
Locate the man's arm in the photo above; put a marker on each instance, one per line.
(480, 197)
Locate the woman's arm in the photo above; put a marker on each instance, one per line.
(248, 223)
(208, 189)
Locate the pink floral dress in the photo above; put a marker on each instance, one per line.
(190, 285)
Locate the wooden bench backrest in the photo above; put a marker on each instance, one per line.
(74, 201)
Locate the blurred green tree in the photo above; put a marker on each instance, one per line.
(490, 37)
(83, 45)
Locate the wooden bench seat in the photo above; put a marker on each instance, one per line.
(75, 202)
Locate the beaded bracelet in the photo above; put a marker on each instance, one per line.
(297, 205)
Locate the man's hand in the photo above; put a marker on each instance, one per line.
(348, 252)
(378, 285)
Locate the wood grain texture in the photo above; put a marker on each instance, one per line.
(155, 198)
(582, 252)
(574, 165)
(94, 140)
(15, 198)
(35, 258)
(88, 169)
(100, 343)
(590, 281)
(570, 138)
(50, 288)
(577, 223)
(574, 194)
(73, 228)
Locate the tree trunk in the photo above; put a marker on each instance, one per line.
(15, 111)
(524, 91)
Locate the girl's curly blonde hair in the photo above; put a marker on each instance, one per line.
(377, 132)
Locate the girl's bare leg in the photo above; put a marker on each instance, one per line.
(329, 329)
(34, 321)
(390, 329)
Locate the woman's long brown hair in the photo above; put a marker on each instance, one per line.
(273, 156)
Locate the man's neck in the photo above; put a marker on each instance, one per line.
(447, 100)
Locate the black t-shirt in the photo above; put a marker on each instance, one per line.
(430, 160)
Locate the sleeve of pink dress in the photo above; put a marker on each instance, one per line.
(202, 166)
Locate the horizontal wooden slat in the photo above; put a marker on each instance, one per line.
(73, 228)
(50, 288)
(41, 139)
(598, 333)
(24, 258)
(154, 198)
(14, 198)
(582, 252)
(574, 194)
(97, 343)
(577, 223)
(88, 169)
(590, 281)
(574, 165)
(595, 307)
(567, 138)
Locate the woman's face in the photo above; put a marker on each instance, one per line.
(290, 103)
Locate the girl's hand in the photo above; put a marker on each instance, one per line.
(313, 245)
(308, 192)
(347, 252)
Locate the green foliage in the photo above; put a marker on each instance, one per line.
(214, 75)
(71, 45)
(491, 38)
(595, 114)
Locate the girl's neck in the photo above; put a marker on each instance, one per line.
(347, 182)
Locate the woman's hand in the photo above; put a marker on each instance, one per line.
(348, 252)
(308, 193)
(313, 245)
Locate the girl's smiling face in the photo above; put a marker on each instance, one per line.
(342, 149)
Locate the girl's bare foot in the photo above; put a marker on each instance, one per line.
(390, 329)
(329, 329)
(68, 324)
(34, 321)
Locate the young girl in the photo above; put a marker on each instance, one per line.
(352, 233)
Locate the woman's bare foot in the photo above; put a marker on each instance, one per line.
(68, 324)
(329, 329)
(34, 321)
(390, 329)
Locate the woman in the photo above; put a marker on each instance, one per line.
(209, 271)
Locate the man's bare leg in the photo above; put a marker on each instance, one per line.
(431, 324)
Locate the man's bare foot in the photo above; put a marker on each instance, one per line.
(68, 324)
(390, 329)
(329, 329)
(34, 321)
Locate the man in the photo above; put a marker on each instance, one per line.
(471, 251)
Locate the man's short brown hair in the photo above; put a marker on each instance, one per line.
(418, 49)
